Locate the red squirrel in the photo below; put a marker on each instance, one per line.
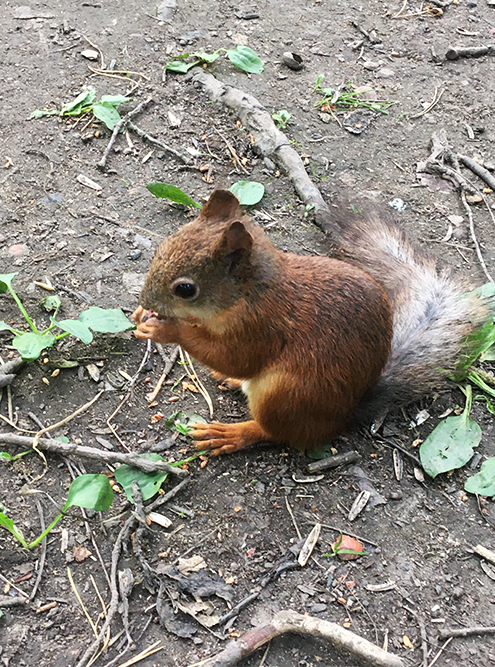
(315, 341)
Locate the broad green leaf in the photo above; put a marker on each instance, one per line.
(248, 192)
(110, 320)
(115, 100)
(149, 483)
(246, 59)
(93, 492)
(84, 98)
(31, 345)
(166, 191)
(9, 525)
(6, 281)
(51, 302)
(76, 328)
(450, 445)
(179, 66)
(107, 113)
(39, 113)
(6, 327)
(206, 57)
(483, 483)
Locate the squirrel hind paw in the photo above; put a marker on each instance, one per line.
(223, 438)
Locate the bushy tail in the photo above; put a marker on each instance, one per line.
(433, 315)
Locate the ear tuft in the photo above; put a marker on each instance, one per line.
(221, 205)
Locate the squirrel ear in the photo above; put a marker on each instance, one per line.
(237, 238)
(236, 242)
(221, 205)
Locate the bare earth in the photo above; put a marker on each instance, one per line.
(95, 246)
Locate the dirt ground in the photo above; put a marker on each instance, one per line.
(95, 247)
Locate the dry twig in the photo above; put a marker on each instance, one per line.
(290, 621)
(105, 457)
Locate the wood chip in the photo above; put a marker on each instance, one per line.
(358, 505)
(309, 545)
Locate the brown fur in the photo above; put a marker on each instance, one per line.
(314, 339)
(310, 334)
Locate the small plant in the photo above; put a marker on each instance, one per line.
(242, 57)
(105, 109)
(347, 99)
(451, 444)
(31, 344)
(92, 492)
(281, 118)
(247, 192)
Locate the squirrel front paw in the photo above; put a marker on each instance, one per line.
(151, 326)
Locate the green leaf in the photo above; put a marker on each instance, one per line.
(84, 98)
(8, 457)
(206, 57)
(483, 483)
(181, 421)
(6, 281)
(115, 100)
(149, 483)
(110, 320)
(486, 291)
(179, 66)
(107, 113)
(246, 59)
(248, 192)
(6, 327)
(175, 194)
(39, 113)
(93, 492)
(31, 345)
(476, 344)
(76, 328)
(451, 444)
(10, 526)
(51, 303)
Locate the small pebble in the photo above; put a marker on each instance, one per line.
(395, 495)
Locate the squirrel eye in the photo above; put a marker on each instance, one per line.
(185, 288)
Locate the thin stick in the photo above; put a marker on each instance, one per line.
(81, 603)
(436, 99)
(123, 121)
(422, 630)
(102, 60)
(42, 558)
(473, 237)
(64, 421)
(154, 648)
(479, 170)
(168, 367)
(188, 365)
(105, 457)
(156, 142)
(440, 652)
(465, 632)
(114, 601)
(289, 509)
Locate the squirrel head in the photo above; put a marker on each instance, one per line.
(207, 266)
